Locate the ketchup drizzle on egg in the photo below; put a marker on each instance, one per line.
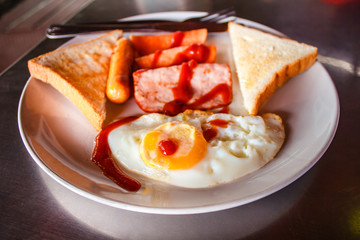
(219, 123)
(211, 131)
(167, 147)
(101, 156)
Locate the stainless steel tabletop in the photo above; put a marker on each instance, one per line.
(322, 204)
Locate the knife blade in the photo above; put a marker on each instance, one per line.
(61, 31)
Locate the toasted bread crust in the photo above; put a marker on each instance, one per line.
(279, 78)
(46, 74)
(264, 62)
(79, 72)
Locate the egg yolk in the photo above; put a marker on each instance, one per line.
(173, 145)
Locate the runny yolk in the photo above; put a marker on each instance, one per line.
(173, 145)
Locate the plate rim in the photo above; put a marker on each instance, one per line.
(178, 210)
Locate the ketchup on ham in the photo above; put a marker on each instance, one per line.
(102, 158)
(183, 92)
(220, 89)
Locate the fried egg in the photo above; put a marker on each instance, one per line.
(197, 149)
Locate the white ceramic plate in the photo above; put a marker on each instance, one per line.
(60, 140)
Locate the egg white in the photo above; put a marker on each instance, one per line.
(245, 145)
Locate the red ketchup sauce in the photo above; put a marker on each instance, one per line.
(225, 109)
(196, 51)
(211, 132)
(167, 147)
(175, 42)
(155, 60)
(183, 92)
(101, 156)
(220, 89)
(177, 39)
(219, 123)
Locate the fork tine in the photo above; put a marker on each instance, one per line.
(218, 15)
(222, 16)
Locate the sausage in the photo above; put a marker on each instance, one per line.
(117, 89)
(171, 90)
(177, 55)
(147, 44)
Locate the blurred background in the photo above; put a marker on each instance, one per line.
(23, 24)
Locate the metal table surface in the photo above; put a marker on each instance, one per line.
(322, 204)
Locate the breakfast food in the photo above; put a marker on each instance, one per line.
(173, 89)
(117, 87)
(147, 44)
(175, 56)
(171, 80)
(176, 142)
(196, 149)
(264, 62)
(80, 72)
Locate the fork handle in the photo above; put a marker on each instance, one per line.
(56, 31)
(126, 22)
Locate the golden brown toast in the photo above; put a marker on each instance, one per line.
(264, 62)
(79, 72)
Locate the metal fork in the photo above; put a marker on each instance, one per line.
(214, 21)
(216, 16)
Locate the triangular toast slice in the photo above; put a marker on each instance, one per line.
(264, 62)
(79, 72)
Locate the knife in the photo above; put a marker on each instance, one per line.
(62, 31)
